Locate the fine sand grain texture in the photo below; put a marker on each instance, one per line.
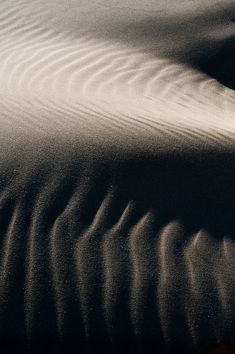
(117, 176)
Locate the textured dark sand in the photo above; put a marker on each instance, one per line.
(117, 176)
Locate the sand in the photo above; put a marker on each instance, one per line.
(117, 156)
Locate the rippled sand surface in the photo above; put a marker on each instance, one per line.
(107, 69)
(117, 155)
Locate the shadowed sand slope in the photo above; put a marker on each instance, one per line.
(134, 254)
(117, 164)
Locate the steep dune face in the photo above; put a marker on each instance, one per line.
(113, 255)
(117, 158)
(220, 64)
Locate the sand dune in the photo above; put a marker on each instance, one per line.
(117, 175)
(119, 83)
(97, 257)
